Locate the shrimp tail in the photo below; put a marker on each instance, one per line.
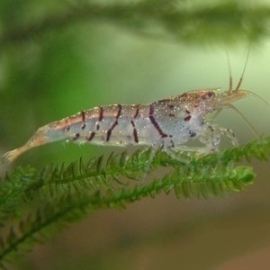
(43, 135)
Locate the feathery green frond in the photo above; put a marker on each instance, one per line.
(38, 204)
(216, 23)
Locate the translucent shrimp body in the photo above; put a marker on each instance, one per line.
(168, 124)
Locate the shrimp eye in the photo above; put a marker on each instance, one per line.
(208, 95)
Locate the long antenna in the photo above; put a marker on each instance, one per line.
(230, 71)
(243, 72)
(245, 119)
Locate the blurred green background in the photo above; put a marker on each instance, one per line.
(55, 73)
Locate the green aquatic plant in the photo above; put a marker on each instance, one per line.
(34, 205)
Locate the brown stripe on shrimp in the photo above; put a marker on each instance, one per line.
(115, 123)
(154, 122)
